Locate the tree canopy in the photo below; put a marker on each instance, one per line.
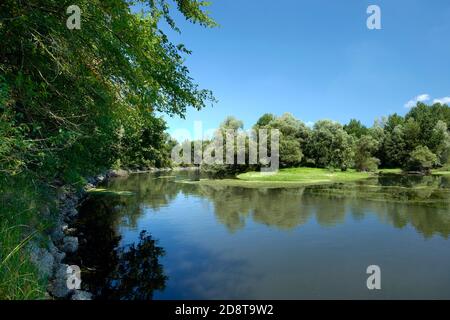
(74, 100)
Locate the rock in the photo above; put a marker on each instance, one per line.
(70, 213)
(58, 287)
(91, 180)
(69, 231)
(89, 186)
(57, 235)
(57, 254)
(70, 244)
(43, 259)
(117, 173)
(81, 295)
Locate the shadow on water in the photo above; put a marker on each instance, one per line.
(112, 271)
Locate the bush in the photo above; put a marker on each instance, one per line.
(421, 159)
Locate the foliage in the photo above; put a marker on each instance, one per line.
(355, 128)
(365, 148)
(84, 99)
(330, 146)
(293, 136)
(421, 159)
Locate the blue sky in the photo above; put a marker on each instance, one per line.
(316, 59)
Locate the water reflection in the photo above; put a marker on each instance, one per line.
(131, 269)
(422, 201)
(111, 271)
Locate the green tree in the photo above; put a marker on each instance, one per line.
(365, 147)
(330, 146)
(293, 136)
(73, 94)
(355, 128)
(264, 120)
(421, 159)
(439, 142)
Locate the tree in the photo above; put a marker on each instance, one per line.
(330, 146)
(355, 128)
(421, 159)
(264, 120)
(73, 94)
(394, 148)
(293, 136)
(365, 148)
(439, 142)
(231, 123)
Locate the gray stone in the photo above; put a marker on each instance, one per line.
(89, 186)
(91, 180)
(58, 286)
(57, 235)
(81, 295)
(117, 173)
(69, 213)
(69, 231)
(43, 259)
(57, 254)
(70, 244)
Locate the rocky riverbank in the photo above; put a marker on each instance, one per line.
(51, 252)
(62, 240)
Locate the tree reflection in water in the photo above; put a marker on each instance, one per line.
(109, 270)
(112, 271)
(422, 201)
(138, 272)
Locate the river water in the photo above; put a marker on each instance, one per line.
(160, 236)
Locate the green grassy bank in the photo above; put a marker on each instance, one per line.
(295, 177)
(290, 177)
(20, 223)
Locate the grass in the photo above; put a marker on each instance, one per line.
(19, 224)
(391, 171)
(291, 177)
(440, 172)
(307, 175)
(297, 177)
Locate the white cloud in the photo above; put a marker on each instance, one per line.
(420, 98)
(445, 100)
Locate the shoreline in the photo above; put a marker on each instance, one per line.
(63, 240)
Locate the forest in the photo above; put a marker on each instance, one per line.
(416, 142)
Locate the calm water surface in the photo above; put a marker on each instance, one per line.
(165, 238)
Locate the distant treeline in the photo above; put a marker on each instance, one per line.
(418, 141)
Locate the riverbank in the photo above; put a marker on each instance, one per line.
(36, 235)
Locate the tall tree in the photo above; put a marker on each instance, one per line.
(74, 93)
(330, 146)
(355, 128)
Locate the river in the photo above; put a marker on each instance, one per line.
(161, 236)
